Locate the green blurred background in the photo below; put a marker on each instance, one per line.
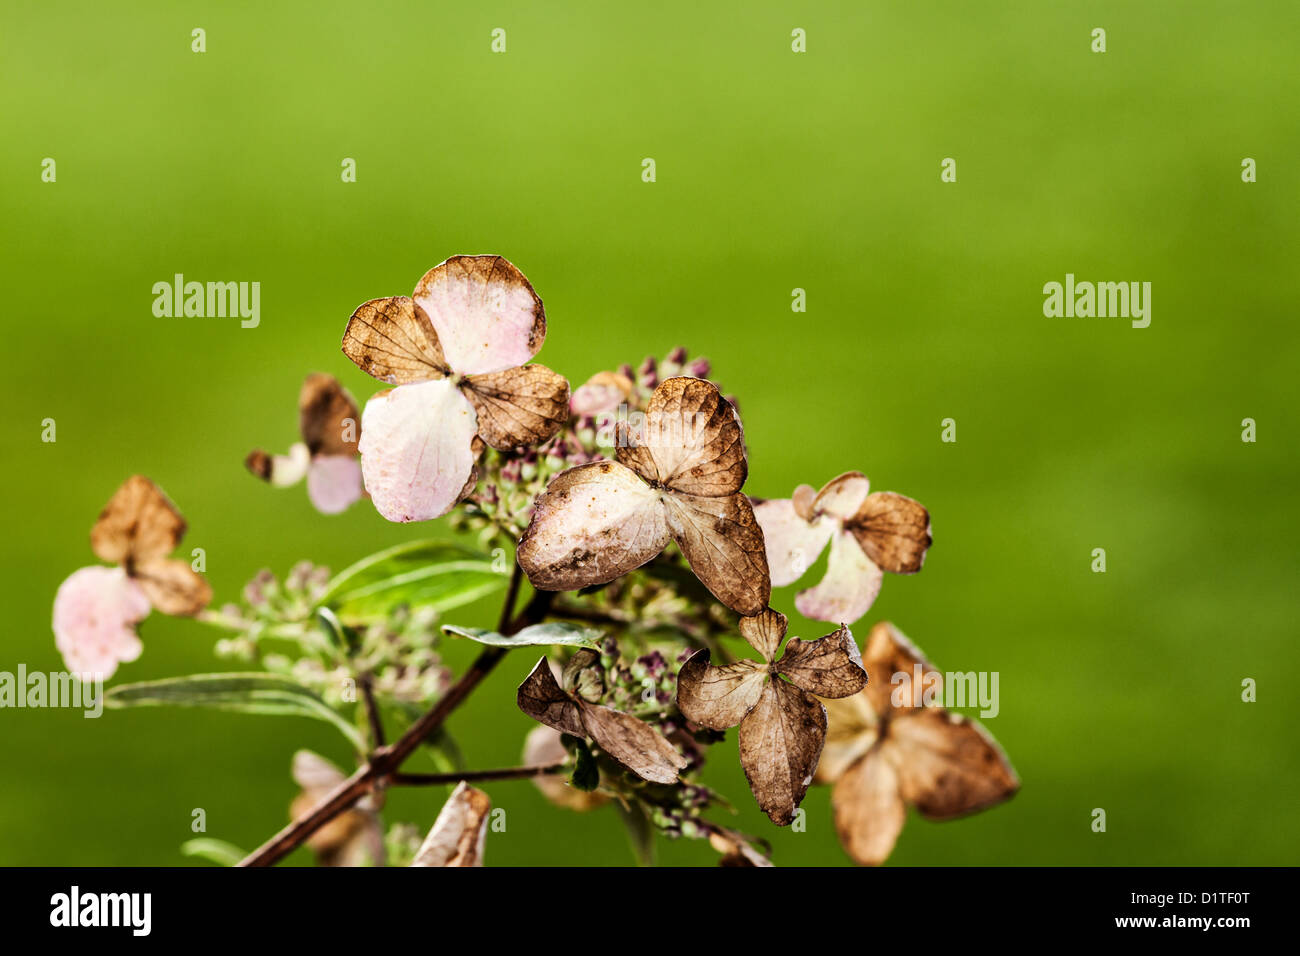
(775, 170)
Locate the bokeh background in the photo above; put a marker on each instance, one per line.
(775, 170)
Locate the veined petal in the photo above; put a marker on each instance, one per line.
(780, 743)
(793, 544)
(849, 587)
(718, 697)
(593, 524)
(417, 449)
(842, 496)
(828, 667)
(486, 314)
(869, 810)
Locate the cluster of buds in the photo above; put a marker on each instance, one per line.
(272, 608)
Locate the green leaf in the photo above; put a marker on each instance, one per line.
(429, 573)
(253, 693)
(218, 851)
(536, 635)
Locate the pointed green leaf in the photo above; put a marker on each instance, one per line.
(252, 693)
(536, 635)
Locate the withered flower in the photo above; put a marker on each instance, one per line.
(868, 533)
(354, 837)
(630, 741)
(678, 477)
(886, 749)
(782, 723)
(458, 835)
(456, 350)
(330, 426)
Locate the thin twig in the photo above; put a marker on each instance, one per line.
(372, 712)
(509, 773)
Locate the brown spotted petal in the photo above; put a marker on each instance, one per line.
(718, 697)
(542, 698)
(632, 742)
(947, 765)
(764, 631)
(828, 667)
(138, 523)
(868, 808)
(780, 743)
(724, 545)
(593, 524)
(460, 831)
(328, 417)
(394, 341)
(693, 439)
(893, 530)
(173, 586)
(520, 406)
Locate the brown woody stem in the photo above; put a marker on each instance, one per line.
(378, 771)
(472, 776)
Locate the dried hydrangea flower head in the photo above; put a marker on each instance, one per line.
(456, 350)
(353, 838)
(868, 534)
(327, 456)
(570, 710)
(677, 477)
(458, 835)
(782, 723)
(886, 749)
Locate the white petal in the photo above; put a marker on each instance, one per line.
(849, 587)
(487, 316)
(417, 449)
(334, 483)
(793, 544)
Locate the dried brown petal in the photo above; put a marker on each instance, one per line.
(138, 523)
(593, 523)
(542, 699)
(852, 728)
(764, 631)
(828, 667)
(633, 743)
(724, 545)
(393, 340)
(869, 811)
(693, 439)
(893, 530)
(948, 766)
(718, 697)
(328, 416)
(888, 653)
(172, 586)
(460, 831)
(520, 406)
(780, 742)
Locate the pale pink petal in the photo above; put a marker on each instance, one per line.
(793, 544)
(289, 469)
(849, 587)
(417, 449)
(333, 483)
(95, 613)
(842, 496)
(603, 392)
(487, 316)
